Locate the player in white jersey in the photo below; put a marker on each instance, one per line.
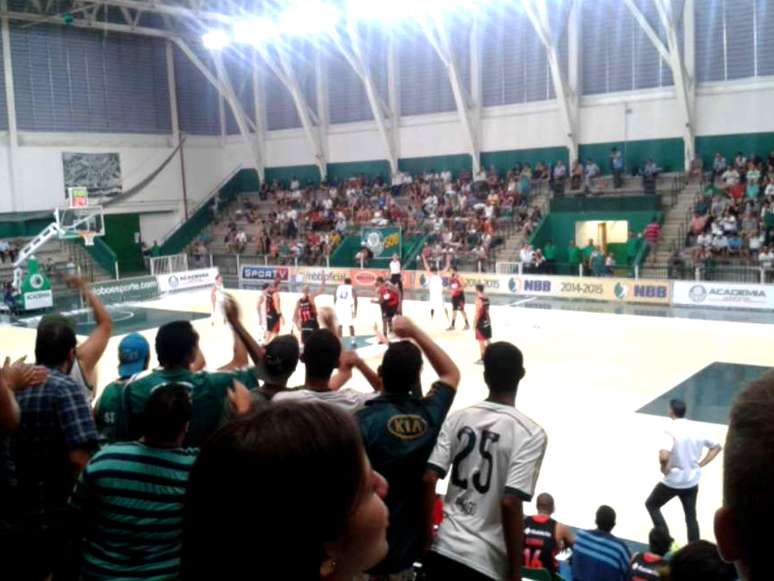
(494, 452)
(218, 299)
(435, 290)
(345, 300)
(261, 308)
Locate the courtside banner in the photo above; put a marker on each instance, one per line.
(724, 295)
(314, 275)
(622, 290)
(493, 283)
(366, 277)
(262, 273)
(177, 281)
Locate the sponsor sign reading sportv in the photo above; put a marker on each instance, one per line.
(38, 300)
(727, 295)
(185, 280)
(265, 273)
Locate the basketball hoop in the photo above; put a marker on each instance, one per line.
(88, 237)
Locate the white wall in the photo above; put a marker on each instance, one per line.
(726, 108)
(39, 179)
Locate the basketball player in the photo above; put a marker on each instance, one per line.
(218, 299)
(345, 301)
(648, 566)
(481, 323)
(305, 316)
(274, 318)
(457, 289)
(388, 298)
(396, 279)
(262, 312)
(544, 538)
(494, 452)
(435, 289)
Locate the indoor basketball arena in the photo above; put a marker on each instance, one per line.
(346, 290)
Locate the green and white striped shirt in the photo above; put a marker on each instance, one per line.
(130, 500)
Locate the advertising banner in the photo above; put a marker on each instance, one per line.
(725, 295)
(143, 288)
(366, 277)
(38, 300)
(625, 290)
(493, 283)
(261, 273)
(312, 275)
(177, 281)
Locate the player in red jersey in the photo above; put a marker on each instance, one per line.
(457, 290)
(388, 298)
(305, 315)
(544, 538)
(481, 322)
(274, 318)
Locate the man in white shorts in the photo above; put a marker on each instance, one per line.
(261, 307)
(345, 301)
(218, 298)
(435, 288)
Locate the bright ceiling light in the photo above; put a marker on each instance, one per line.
(255, 31)
(216, 40)
(403, 10)
(308, 18)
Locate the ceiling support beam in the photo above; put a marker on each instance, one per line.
(685, 85)
(537, 13)
(438, 36)
(386, 121)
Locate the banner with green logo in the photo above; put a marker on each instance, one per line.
(383, 242)
(36, 288)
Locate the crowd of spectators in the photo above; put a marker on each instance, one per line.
(733, 216)
(464, 218)
(9, 250)
(179, 473)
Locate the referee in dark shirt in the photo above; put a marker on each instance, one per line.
(399, 429)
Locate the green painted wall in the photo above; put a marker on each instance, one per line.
(505, 160)
(339, 172)
(14, 226)
(120, 230)
(559, 227)
(453, 163)
(304, 173)
(667, 153)
(760, 144)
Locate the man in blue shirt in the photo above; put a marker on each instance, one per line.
(597, 554)
(52, 445)
(400, 429)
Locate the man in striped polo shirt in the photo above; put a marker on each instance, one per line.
(597, 554)
(129, 498)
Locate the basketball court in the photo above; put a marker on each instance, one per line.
(598, 383)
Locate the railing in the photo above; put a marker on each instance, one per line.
(203, 202)
(168, 264)
(751, 274)
(230, 264)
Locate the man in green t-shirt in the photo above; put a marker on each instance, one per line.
(133, 359)
(155, 250)
(549, 253)
(633, 246)
(573, 257)
(214, 396)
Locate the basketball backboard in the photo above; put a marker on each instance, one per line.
(85, 222)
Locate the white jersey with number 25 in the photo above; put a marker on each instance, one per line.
(492, 450)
